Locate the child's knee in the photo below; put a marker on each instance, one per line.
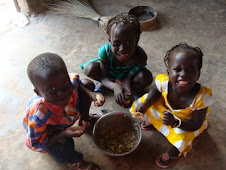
(144, 77)
(88, 84)
(147, 78)
(88, 69)
(92, 69)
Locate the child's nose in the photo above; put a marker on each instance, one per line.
(122, 49)
(60, 92)
(183, 73)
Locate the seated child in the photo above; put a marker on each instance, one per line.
(177, 106)
(121, 62)
(59, 102)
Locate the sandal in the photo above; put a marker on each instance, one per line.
(84, 166)
(164, 161)
(98, 87)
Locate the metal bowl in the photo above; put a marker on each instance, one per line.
(146, 16)
(110, 123)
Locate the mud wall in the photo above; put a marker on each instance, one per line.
(29, 7)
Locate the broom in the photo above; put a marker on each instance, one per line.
(78, 8)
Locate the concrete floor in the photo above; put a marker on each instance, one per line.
(199, 23)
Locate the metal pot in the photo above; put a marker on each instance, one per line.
(109, 123)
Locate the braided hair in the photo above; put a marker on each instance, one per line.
(45, 61)
(124, 18)
(184, 45)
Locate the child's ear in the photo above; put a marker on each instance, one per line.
(167, 71)
(138, 38)
(199, 74)
(37, 92)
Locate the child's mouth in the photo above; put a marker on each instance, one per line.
(64, 100)
(123, 56)
(182, 83)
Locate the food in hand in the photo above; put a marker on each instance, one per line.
(128, 101)
(137, 115)
(100, 100)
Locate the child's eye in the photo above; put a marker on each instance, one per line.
(190, 70)
(128, 43)
(115, 44)
(67, 82)
(176, 69)
(52, 90)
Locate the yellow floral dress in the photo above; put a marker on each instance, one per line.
(181, 139)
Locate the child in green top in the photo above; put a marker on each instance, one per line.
(121, 63)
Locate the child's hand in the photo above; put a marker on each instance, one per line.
(128, 99)
(99, 100)
(76, 131)
(168, 118)
(142, 107)
(118, 93)
(137, 115)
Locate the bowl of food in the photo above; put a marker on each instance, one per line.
(117, 134)
(146, 16)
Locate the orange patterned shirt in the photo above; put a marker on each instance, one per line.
(44, 119)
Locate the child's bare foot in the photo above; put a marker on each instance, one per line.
(84, 166)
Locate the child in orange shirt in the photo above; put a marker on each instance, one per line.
(60, 100)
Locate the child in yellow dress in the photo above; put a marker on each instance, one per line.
(177, 106)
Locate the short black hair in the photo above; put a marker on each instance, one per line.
(127, 19)
(184, 46)
(45, 61)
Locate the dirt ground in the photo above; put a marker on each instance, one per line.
(199, 23)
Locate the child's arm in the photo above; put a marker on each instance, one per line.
(127, 82)
(75, 131)
(86, 91)
(198, 117)
(105, 69)
(140, 59)
(152, 97)
(118, 90)
(97, 98)
(86, 97)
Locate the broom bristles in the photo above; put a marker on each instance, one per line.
(103, 22)
(78, 8)
(73, 8)
(86, 3)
